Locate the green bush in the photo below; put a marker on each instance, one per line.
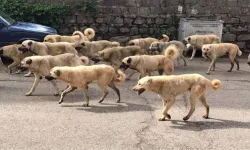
(50, 15)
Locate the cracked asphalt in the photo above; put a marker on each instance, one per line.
(38, 122)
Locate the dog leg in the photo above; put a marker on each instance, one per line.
(105, 93)
(237, 63)
(204, 56)
(56, 87)
(66, 91)
(168, 105)
(193, 54)
(232, 64)
(36, 82)
(11, 66)
(211, 65)
(86, 98)
(184, 60)
(112, 86)
(28, 74)
(203, 101)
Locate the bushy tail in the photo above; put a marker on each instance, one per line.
(216, 84)
(239, 51)
(165, 38)
(90, 33)
(171, 52)
(79, 33)
(121, 78)
(85, 60)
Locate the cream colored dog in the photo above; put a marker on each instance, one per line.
(77, 36)
(41, 66)
(214, 51)
(81, 76)
(46, 48)
(197, 41)
(168, 87)
(90, 48)
(12, 52)
(145, 64)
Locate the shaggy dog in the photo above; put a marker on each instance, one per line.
(214, 51)
(46, 48)
(145, 64)
(89, 49)
(168, 87)
(41, 65)
(115, 55)
(81, 76)
(12, 52)
(197, 41)
(173, 50)
(77, 36)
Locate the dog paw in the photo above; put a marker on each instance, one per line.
(100, 101)
(186, 118)
(85, 105)
(56, 94)
(118, 101)
(229, 71)
(168, 116)
(162, 119)
(208, 73)
(60, 102)
(28, 94)
(205, 117)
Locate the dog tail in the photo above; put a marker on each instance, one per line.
(79, 33)
(85, 60)
(171, 52)
(165, 38)
(239, 51)
(215, 84)
(90, 33)
(121, 78)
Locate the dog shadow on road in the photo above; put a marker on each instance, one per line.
(212, 123)
(115, 108)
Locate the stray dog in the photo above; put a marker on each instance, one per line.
(46, 48)
(214, 51)
(41, 66)
(145, 64)
(115, 55)
(145, 43)
(168, 87)
(12, 52)
(173, 50)
(197, 41)
(81, 76)
(90, 48)
(77, 36)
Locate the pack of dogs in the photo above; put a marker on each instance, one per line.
(72, 60)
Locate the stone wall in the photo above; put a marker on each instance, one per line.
(124, 19)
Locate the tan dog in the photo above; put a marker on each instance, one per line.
(115, 55)
(214, 51)
(12, 52)
(197, 41)
(41, 66)
(168, 87)
(46, 48)
(81, 76)
(90, 48)
(77, 36)
(145, 64)
(145, 43)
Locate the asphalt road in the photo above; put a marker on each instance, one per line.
(38, 122)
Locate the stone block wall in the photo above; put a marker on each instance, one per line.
(122, 20)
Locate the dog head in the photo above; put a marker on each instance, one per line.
(187, 40)
(126, 62)
(143, 85)
(26, 46)
(206, 49)
(54, 74)
(26, 62)
(155, 47)
(83, 46)
(50, 39)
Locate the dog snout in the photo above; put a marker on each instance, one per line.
(49, 77)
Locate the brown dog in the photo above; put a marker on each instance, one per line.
(214, 51)
(197, 41)
(77, 36)
(145, 64)
(115, 55)
(12, 52)
(168, 87)
(81, 76)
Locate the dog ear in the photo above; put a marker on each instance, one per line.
(150, 81)
(58, 73)
(30, 43)
(129, 60)
(189, 39)
(29, 61)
